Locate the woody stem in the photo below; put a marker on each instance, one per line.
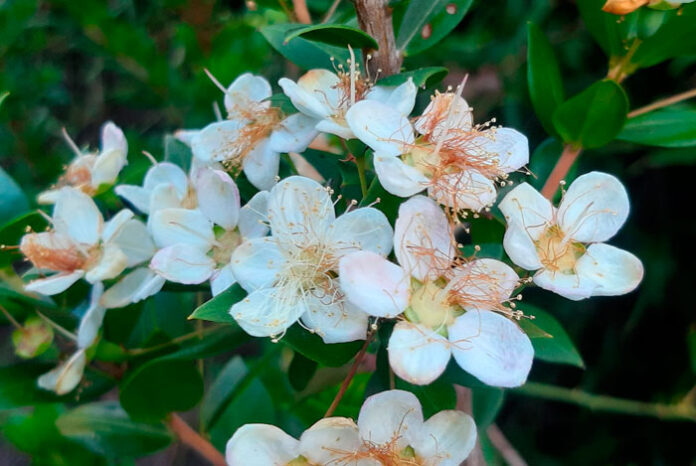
(560, 170)
(349, 378)
(194, 440)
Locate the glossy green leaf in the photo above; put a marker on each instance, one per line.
(691, 342)
(674, 38)
(553, 344)
(427, 22)
(543, 77)
(486, 403)
(12, 231)
(334, 34)
(435, 397)
(301, 371)
(217, 309)
(304, 53)
(422, 77)
(313, 347)
(13, 202)
(222, 388)
(668, 127)
(594, 117)
(457, 375)
(603, 26)
(177, 152)
(105, 428)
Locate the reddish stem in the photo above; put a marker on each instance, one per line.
(346, 382)
(565, 161)
(193, 439)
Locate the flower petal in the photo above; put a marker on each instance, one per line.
(525, 208)
(330, 440)
(397, 178)
(64, 378)
(373, 284)
(256, 263)
(137, 285)
(364, 229)
(253, 216)
(173, 226)
(335, 322)
(482, 283)
(492, 348)
(222, 279)
(394, 415)
(295, 133)
(331, 126)
(113, 139)
(615, 271)
(423, 238)
(261, 165)
(106, 168)
(260, 445)
(55, 283)
(520, 247)
(267, 312)
(137, 196)
(183, 263)
(217, 141)
(417, 354)
(300, 210)
(218, 197)
(76, 215)
(315, 94)
(509, 148)
(135, 242)
(91, 322)
(114, 225)
(163, 196)
(447, 438)
(110, 265)
(247, 87)
(444, 113)
(572, 286)
(401, 97)
(381, 127)
(467, 189)
(166, 173)
(594, 208)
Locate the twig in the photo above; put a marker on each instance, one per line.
(66, 333)
(565, 161)
(192, 439)
(174, 341)
(11, 318)
(665, 412)
(375, 18)
(663, 103)
(301, 11)
(331, 11)
(504, 447)
(353, 369)
(465, 403)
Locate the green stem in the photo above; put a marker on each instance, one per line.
(666, 412)
(172, 342)
(360, 163)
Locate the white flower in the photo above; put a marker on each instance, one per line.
(254, 134)
(390, 431)
(81, 244)
(326, 97)
(566, 245)
(165, 185)
(457, 163)
(197, 244)
(88, 171)
(451, 308)
(293, 274)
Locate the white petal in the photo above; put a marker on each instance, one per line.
(106, 168)
(417, 354)
(483, 282)
(114, 225)
(113, 139)
(135, 242)
(468, 189)
(423, 239)
(222, 279)
(364, 229)
(397, 178)
(256, 263)
(55, 283)
(64, 378)
(261, 165)
(615, 271)
(50, 196)
(520, 247)
(76, 215)
(295, 133)
(335, 322)
(571, 286)
(218, 197)
(300, 209)
(444, 113)
(92, 320)
(182, 263)
(186, 135)
(315, 93)
(492, 348)
(135, 286)
(247, 87)
(217, 141)
(110, 265)
(137, 196)
(381, 127)
(331, 126)
(527, 209)
(267, 312)
(373, 284)
(173, 226)
(594, 208)
(394, 415)
(260, 445)
(163, 196)
(401, 97)
(447, 438)
(253, 216)
(509, 147)
(330, 440)
(166, 173)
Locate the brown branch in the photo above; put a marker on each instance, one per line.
(346, 382)
(192, 439)
(465, 403)
(374, 17)
(331, 11)
(565, 161)
(504, 447)
(301, 11)
(663, 103)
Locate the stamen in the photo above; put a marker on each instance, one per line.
(71, 143)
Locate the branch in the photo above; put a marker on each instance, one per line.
(504, 447)
(663, 103)
(192, 439)
(374, 17)
(565, 161)
(346, 382)
(665, 412)
(465, 403)
(301, 11)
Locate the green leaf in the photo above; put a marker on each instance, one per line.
(13, 202)
(334, 34)
(218, 308)
(435, 397)
(222, 388)
(603, 26)
(105, 428)
(427, 22)
(667, 127)
(674, 38)
(558, 348)
(594, 117)
(457, 375)
(486, 403)
(422, 77)
(304, 53)
(12, 231)
(313, 347)
(177, 152)
(301, 371)
(543, 77)
(691, 343)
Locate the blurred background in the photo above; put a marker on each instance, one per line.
(76, 64)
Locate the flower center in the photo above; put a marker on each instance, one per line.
(227, 241)
(558, 253)
(430, 306)
(311, 269)
(261, 119)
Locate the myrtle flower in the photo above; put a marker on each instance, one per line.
(450, 307)
(254, 134)
(293, 274)
(197, 244)
(82, 245)
(458, 163)
(90, 171)
(326, 97)
(390, 431)
(565, 245)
